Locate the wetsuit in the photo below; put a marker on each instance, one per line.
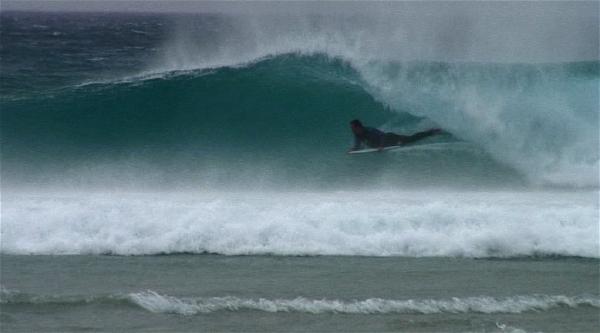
(375, 138)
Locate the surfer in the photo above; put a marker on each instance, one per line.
(375, 138)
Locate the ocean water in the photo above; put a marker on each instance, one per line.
(292, 293)
(188, 173)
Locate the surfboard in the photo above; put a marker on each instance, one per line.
(373, 150)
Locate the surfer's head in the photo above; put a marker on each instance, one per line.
(357, 126)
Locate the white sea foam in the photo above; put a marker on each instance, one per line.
(158, 303)
(161, 303)
(510, 329)
(471, 224)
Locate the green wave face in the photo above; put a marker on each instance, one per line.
(273, 116)
(271, 105)
(278, 122)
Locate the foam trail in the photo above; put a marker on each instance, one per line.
(477, 224)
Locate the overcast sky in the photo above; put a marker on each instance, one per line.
(585, 8)
(474, 30)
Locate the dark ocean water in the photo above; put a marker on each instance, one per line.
(188, 172)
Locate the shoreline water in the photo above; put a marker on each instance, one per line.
(244, 293)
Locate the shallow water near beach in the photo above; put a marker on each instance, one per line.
(274, 293)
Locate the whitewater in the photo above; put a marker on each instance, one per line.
(157, 303)
(379, 223)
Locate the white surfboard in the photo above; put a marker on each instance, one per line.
(418, 147)
(373, 150)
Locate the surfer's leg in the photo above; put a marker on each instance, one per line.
(420, 135)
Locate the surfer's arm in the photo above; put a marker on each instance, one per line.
(381, 141)
(357, 144)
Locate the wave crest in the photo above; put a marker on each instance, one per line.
(155, 302)
(160, 303)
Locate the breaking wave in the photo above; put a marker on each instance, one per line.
(378, 223)
(155, 302)
(288, 115)
(158, 303)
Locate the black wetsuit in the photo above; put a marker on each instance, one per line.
(375, 138)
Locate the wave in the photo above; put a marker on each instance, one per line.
(11, 296)
(288, 114)
(537, 116)
(363, 223)
(273, 91)
(155, 302)
(159, 303)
